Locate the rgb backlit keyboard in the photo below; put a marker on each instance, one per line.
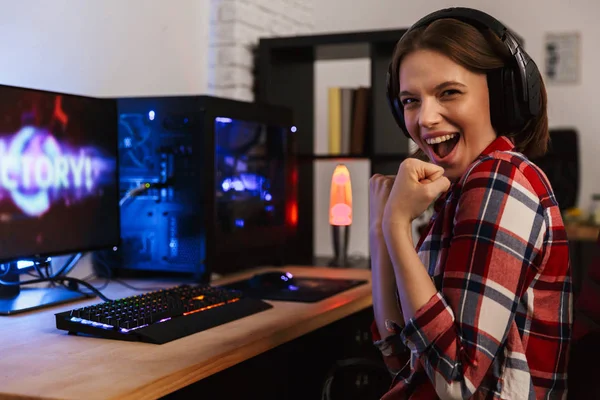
(160, 316)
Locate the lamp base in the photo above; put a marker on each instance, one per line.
(341, 237)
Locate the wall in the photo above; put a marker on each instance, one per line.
(107, 47)
(568, 105)
(141, 47)
(236, 26)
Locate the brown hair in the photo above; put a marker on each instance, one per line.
(480, 52)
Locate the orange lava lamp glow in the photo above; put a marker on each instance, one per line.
(340, 204)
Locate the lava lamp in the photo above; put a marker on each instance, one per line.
(340, 213)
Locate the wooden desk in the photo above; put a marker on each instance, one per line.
(39, 361)
(582, 233)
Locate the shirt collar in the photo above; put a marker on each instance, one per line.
(501, 143)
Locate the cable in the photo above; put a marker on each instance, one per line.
(59, 279)
(144, 187)
(108, 271)
(5, 271)
(134, 192)
(148, 289)
(69, 265)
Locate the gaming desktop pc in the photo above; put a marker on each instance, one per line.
(58, 188)
(209, 185)
(205, 185)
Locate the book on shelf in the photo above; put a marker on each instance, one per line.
(348, 116)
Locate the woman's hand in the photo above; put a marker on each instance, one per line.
(416, 186)
(380, 187)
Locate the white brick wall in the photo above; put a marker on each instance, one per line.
(236, 26)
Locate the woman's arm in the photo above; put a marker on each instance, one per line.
(413, 281)
(498, 232)
(387, 327)
(385, 304)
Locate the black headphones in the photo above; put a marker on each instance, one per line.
(514, 89)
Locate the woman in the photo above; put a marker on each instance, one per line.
(481, 307)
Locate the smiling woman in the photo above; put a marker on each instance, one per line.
(481, 306)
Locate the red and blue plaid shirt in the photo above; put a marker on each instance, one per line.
(499, 326)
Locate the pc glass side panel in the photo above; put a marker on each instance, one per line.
(161, 148)
(252, 189)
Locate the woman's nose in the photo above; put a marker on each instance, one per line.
(429, 114)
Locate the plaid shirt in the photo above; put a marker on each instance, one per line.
(499, 326)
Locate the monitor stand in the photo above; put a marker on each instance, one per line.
(16, 299)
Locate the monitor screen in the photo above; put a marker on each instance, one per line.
(250, 175)
(58, 174)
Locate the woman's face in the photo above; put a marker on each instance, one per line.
(446, 109)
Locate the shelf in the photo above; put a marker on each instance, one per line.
(310, 157)
(377, 158)
(387, 36)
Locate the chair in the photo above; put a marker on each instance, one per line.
(561, 166)
(584, 360)
(356, 379)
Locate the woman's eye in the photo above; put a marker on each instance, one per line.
(450, 92)
(407, 101)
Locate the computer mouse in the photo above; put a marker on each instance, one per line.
(272, 279)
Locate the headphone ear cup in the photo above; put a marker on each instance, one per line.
(517, 115)
(395, 106)
(498, 115)
(398, 112)
(506, 110)
(534, 87)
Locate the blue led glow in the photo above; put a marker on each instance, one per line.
(294, 129)
(226, 184)
(24, 264)
(151, 115)
(92, 323)
(223, 120)
(109, 327)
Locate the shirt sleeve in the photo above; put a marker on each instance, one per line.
(393, 350)
(499, 229)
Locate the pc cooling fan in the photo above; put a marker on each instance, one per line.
(136, 145)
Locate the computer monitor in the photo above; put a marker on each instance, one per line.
(58, 185)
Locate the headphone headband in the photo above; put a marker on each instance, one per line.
(476, 18)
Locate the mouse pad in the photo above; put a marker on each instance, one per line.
(306, 290)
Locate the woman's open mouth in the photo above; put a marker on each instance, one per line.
(442, 146)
